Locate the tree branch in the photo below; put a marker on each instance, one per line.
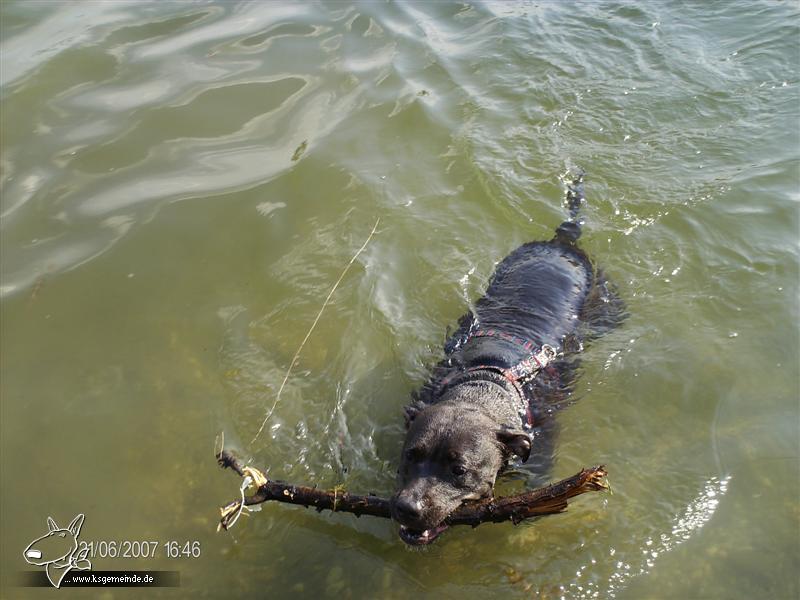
(543, 501)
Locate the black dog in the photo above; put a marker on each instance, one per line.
(477, 410)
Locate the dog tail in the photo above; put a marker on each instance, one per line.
(570, 230)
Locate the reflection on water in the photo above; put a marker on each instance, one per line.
(181, 184)
(697, 514)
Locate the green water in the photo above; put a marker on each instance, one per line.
(183, 183)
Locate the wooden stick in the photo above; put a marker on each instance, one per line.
(543, 501)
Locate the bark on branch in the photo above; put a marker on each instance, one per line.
(543, 501)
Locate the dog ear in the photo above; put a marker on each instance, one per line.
(411, 411)
(75, 526)
(515, 442)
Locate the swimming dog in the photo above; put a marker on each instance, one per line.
(479, 409)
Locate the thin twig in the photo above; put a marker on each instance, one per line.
(311, 329)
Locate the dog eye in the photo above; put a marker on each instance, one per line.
(459, 470)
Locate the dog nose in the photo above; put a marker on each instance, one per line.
(407, 509)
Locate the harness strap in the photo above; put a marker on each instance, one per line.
(533, 363)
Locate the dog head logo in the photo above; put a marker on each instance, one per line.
(57, 551)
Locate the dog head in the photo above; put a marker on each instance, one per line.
(55, 546)
(452, 453)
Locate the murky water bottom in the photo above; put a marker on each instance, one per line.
(182, 184)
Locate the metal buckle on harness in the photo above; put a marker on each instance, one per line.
(536, 362)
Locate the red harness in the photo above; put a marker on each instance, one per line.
(534, 362)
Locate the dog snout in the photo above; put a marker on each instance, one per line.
(407, 510)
